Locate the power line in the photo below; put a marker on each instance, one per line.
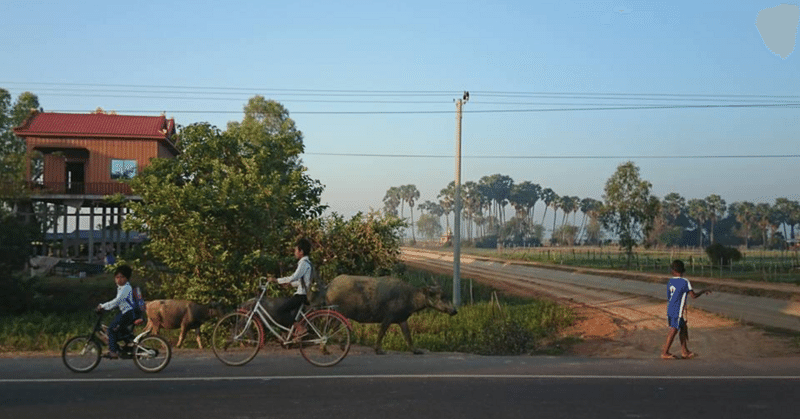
(586, 108)
(365, 92)
(544, 157)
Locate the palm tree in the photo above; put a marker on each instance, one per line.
(556, 204)
(547, 196)
(764, 215)
(716, 209)
(391, 201)
(698, 210)
(589, 207)
(409, 194)
(745, 215)
(673, 205)
(447, 200)
(524, 197)
(788, 214)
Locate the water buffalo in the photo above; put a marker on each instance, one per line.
(384, 300)
(174, 314)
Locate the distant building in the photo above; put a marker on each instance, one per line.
(76, 160)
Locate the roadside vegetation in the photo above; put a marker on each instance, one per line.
(495, 324)
(491, 326)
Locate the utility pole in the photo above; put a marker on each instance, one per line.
(457, 221)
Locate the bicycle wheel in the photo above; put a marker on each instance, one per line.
(234, 341)
(81, 354)
(328, 339)
(152, 354)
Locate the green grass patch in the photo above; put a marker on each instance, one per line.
(42, 332)
(484, 329)
(514, 326)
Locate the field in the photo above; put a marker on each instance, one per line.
(756, 265)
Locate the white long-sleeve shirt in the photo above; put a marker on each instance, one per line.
(123, 299)
(301, 278)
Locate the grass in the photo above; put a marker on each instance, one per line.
(515, 326)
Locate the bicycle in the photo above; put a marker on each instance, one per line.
(238, 336)
(149, 353)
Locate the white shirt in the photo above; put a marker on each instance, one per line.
(122, 300)
(301, 278)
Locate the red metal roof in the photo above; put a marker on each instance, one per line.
(49, 124)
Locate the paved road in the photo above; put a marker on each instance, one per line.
(405, 386)
(597, 289)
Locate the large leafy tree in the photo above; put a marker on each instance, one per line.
(221, 212)
(12, 148)
(628, 206)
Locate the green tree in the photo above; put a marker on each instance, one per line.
(12, 148)
(221, 212)
(429, 226)
(627, 208)
(366, 244)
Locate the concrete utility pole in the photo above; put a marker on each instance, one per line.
(457, 210)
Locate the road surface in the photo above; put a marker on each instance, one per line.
(402, 386)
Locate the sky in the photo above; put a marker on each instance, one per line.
(372, 85)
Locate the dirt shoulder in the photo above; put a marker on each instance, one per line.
(633, 327)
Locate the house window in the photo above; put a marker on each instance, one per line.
(123, 169)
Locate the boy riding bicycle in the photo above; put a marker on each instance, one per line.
(300, 279)
(123, 301)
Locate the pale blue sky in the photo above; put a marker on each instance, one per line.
(590, 48)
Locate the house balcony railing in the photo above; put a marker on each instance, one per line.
(79, 188)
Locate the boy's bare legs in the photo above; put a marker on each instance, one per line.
(670, 338)
(684, 337)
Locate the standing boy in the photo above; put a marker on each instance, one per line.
(677, 290)
(300, 279)
(123, 301)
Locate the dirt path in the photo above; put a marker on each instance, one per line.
(617, 325)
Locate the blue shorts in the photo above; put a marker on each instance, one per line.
(676, 322)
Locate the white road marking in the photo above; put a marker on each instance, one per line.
(410, 376)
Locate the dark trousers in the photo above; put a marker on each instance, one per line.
(288, 310)
(118, 326)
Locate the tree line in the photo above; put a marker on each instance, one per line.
(627, 211)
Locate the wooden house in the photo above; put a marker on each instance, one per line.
(76, 160)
